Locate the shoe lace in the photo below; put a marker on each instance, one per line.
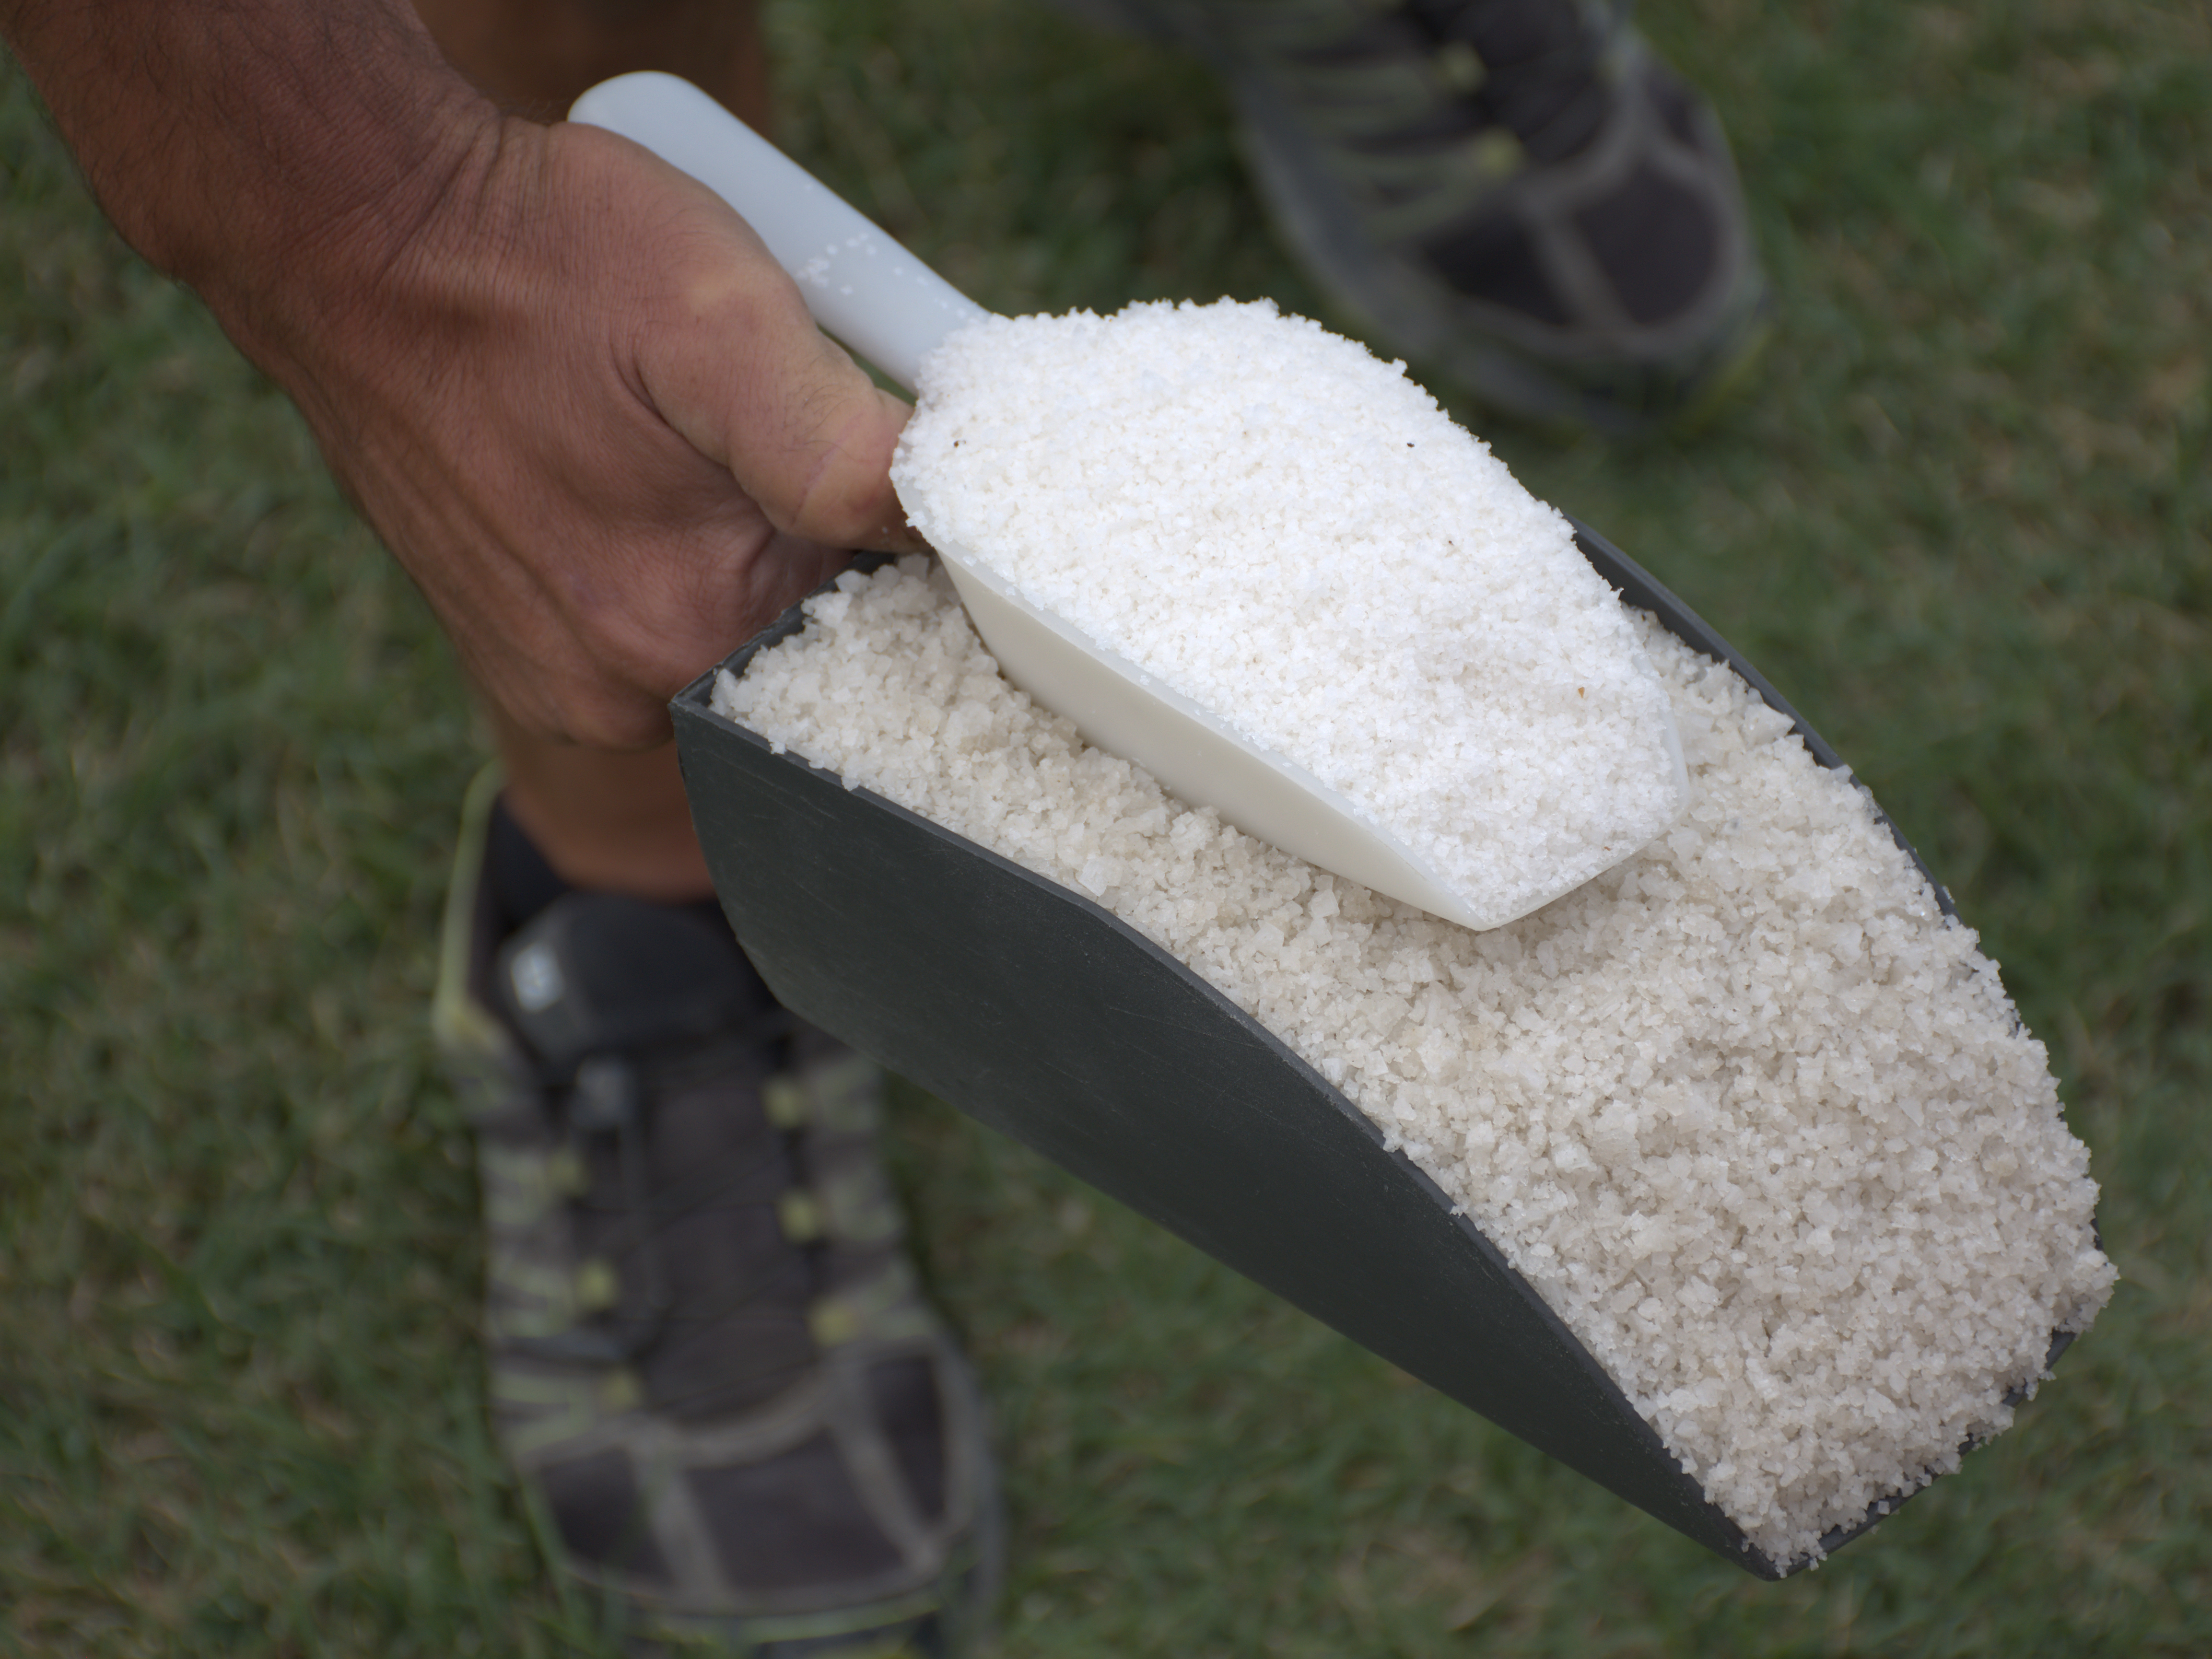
(608, 1102)
(1528, 70)
(1430, 106)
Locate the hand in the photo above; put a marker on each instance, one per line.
(591, 416)
(565, 383)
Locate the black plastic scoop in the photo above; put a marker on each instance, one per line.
(1039, 1013)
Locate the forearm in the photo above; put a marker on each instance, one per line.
(278, 155)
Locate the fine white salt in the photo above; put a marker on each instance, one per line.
(1756, 1120)
(1289, 532)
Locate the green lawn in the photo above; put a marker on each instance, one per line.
(1961, 520)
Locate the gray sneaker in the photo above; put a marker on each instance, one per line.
(1514, 193)
(710, 1361)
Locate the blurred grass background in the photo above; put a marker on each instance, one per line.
(1961, 520)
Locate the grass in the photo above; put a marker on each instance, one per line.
(1961, 520)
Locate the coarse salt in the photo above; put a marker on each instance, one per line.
(1292, 534)
(1759, 1123)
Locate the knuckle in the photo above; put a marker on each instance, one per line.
(844, 496)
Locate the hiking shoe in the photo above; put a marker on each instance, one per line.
(1515, 192)
(710, 1361)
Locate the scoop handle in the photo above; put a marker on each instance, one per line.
(861, 284)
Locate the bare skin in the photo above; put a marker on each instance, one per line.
(612, 819)
(566, 385)
(607, 819)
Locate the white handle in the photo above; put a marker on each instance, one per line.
(860, 285)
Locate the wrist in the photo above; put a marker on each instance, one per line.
(272, 154)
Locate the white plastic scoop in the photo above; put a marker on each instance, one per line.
(889, 307)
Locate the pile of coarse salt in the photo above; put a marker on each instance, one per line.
(1755, 1118)
(1289, 532)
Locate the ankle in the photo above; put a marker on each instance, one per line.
(614, 846)
(602, 820)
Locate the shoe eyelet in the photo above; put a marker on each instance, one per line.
(784, 1100)
(619, 1390)
(800, 1216)
(833, 1323)
(1460, 67)
(565, 1174)
(598, 1285)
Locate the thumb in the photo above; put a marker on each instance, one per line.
(815, 443)
(744, 373)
